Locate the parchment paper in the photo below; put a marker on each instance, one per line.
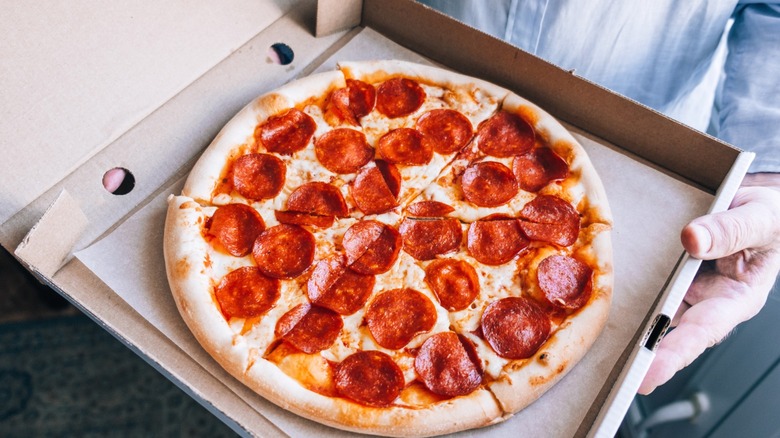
(649, 208)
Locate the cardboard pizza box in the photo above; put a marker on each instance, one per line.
(149, 92)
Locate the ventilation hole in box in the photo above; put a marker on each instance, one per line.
(280, 53)
(118, 181)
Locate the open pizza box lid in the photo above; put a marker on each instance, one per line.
(147, 86)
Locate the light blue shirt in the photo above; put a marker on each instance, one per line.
(712, 64)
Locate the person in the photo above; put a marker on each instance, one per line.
(714, 65)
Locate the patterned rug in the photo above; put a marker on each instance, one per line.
(67, 377)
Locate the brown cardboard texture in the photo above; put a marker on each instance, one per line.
(49, 243)
(159, 132)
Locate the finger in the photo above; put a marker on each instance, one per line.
(709, 283)
(113, 179)
(684, 306)
(752, 222)
(702, 326)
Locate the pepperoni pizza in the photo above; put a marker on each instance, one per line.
(393, 249)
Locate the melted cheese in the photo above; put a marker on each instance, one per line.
(436, 181)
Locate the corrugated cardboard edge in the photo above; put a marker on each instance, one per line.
(619, 399)
(337, 15)
(49, 243)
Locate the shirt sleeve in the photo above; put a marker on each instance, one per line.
(490, 17)
(749, 100)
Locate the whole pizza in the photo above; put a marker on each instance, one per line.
(394, 249)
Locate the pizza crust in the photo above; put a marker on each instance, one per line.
(377, 71)
(185, 253)
(478, 409)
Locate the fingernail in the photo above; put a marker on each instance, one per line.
(703, 238)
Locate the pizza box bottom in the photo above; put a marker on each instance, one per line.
(641, 233)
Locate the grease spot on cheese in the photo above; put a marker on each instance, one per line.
(310, 370)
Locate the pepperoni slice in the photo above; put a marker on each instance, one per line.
(538, 167)
(448, 129)
(309, 328)
(405, 146)
(372, 247)
(565, 281)
(446, 367)
(515, 327)
(375, 189)
(343, 150)
(284, 251)
(370, 378)
(399, 97)
(337, 107)
(362, 97)
(391, 175)
(258, 176)
(429, 209)
(488, 184)
(318, 198)
(353, 102)
(286, 133)
(424, 239)
(303, 218)
(338, 288)
(495, 241)
(246, 293)
(550, 219)
(235, 227)
(454, 282)
(396, 316)
(504, 135)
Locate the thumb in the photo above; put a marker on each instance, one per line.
(753, 221)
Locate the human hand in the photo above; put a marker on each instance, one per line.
(741, 249)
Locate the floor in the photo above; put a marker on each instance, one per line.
(62, 375)
(24, 298)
